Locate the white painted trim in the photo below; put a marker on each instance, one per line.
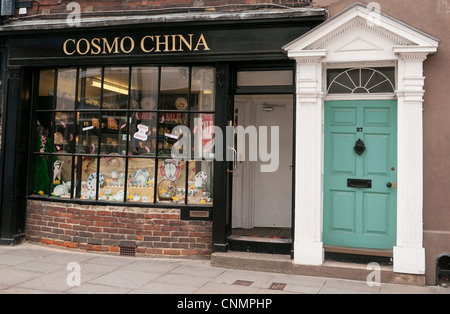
(381, 96)
(403, 46)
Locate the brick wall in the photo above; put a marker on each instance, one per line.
(51, 7)
(103, 228)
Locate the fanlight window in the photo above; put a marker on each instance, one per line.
(361, 80)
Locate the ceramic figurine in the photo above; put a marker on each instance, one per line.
(57, 171)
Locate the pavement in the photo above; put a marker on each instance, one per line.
(37, 269)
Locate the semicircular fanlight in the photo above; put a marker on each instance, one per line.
(360, 81)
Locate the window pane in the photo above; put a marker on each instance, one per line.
(144, 88)
(167, 133)
(113, 170)
(62, 176)
(143, 133)
(202, 132)
(90, 88)
(46, 90)
(171, 184)
(42, 168)
(67, 81)
(114, 133)
(141, 180)
(64, 132)
(203, 89)
(88, 125)
(174, 88)
(115, 88)
(265, 78)
(86, 178)
(200, 182)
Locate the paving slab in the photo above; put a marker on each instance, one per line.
(226, 289)
(125, 278)
(155, 287)
(14, 259)
(203, 269)
(54, 282)
(153, 266)
(38, 266)
(11, 277)
(19, 290)
(91, 288)
(99, 269)
(65, 257)
(406, 289)
(340, 286)
(111, 260)
(258, 279)
(179, 279)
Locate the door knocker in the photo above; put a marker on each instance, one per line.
(360, 147)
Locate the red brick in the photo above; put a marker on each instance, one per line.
(171, 252)
(70, 244)
(103, 213)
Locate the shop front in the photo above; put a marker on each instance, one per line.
(115, 133)
(270, 131)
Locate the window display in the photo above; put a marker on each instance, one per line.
(108, 134)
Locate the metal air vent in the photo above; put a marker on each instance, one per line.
(127, 250)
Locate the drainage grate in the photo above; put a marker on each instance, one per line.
(127, 251)
(277, 286)
(243, 283)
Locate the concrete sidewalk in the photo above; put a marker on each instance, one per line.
(29, 268)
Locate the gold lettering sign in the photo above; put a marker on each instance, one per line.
(126, 45)
(198, 214)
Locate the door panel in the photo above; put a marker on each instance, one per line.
(361, 214)
(343, 161)
(343, 211)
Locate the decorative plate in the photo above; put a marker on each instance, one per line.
(141, 175)
(200, 180)
(170, 170)
(119, 195)
(61, 190)
(148, 103)
(92, 181)
(181, 103)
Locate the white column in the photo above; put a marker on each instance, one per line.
(409, 253)
(308, 245)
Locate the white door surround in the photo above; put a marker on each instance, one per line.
(360, 37)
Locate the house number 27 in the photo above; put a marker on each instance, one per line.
(359, 129)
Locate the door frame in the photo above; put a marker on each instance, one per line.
(248, 170)
(352, 39)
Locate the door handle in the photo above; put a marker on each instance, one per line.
(235, 161)
(391, 185)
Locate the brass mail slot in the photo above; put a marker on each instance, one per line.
(359, 183)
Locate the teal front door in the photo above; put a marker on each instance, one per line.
(360, 173)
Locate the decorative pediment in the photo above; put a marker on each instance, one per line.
(359, 44)
(360, 34)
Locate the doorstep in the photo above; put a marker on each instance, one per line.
(279, 263)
